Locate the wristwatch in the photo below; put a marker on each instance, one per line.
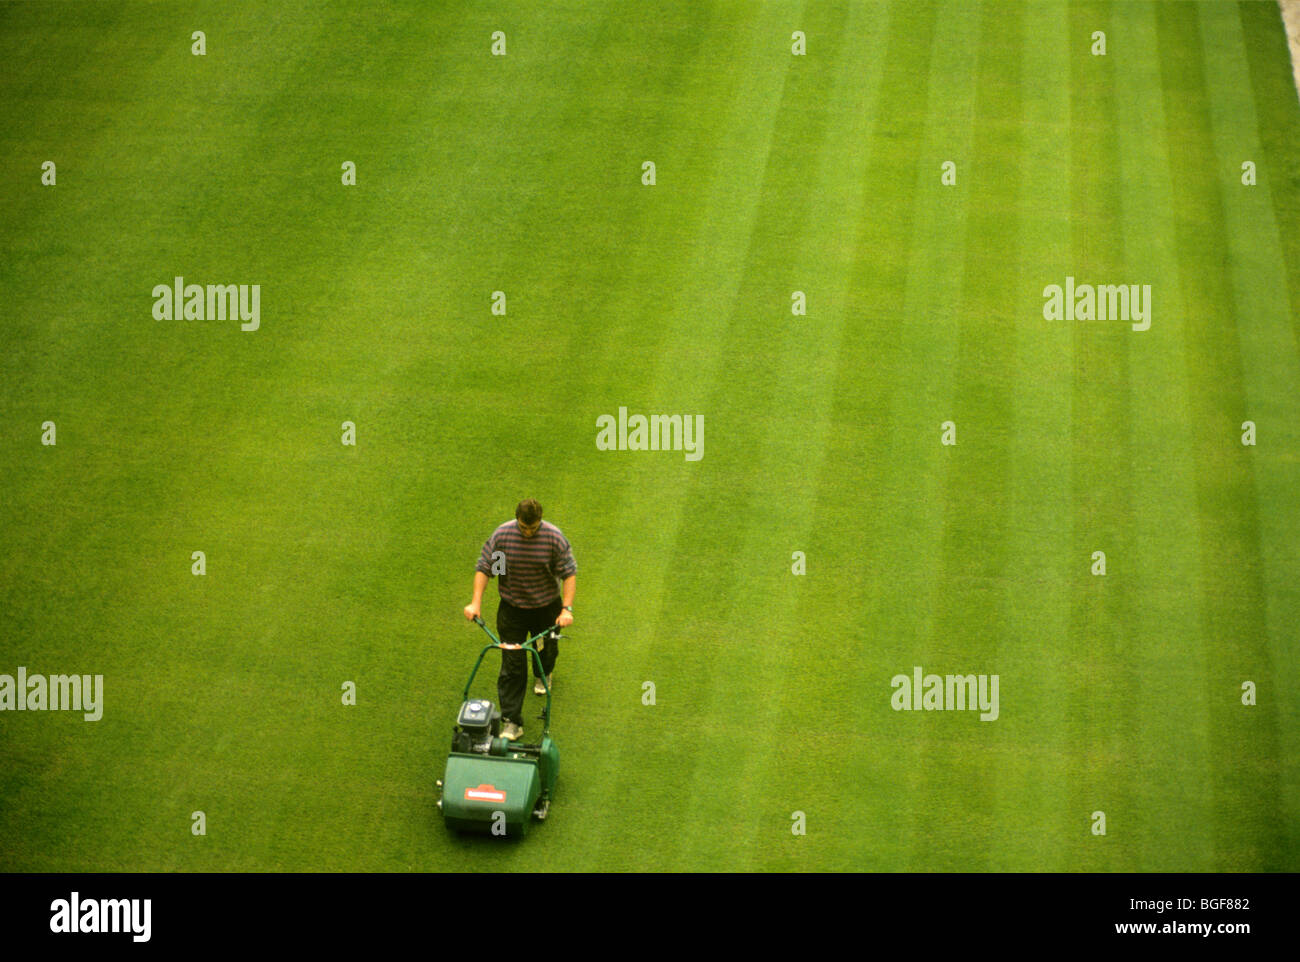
(569, 608)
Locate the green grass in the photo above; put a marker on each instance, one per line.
(775, 173)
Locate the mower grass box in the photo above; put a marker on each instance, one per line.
(477, 787)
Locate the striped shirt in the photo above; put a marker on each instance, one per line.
(533, 567)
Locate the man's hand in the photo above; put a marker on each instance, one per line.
(567, 592)
(476, 599)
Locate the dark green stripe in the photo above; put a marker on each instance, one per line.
(1277, 112)
(959, 769)
(1248, 834)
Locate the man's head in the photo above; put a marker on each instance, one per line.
(528, 515)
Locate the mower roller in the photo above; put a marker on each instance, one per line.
(492, 784)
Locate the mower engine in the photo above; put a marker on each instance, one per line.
(478, 723)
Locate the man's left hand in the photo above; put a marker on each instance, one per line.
(565, 619)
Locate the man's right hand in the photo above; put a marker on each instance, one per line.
(471, 612)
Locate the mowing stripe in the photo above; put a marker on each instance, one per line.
(1101, 712)
(959, 757)
(1278, 129)
(1270, 368)
(1231, 594)
(1031, 798)
(899, 606)
(1170, 744)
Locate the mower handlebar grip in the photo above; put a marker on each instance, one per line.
(552, 633)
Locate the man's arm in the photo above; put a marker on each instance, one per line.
(569, 589)
(473, 609)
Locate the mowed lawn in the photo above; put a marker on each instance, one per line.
(774, 173)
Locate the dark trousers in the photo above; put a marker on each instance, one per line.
(514, 627)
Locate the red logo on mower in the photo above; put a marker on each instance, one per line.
(485, 793)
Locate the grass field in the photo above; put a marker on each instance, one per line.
(774, 173)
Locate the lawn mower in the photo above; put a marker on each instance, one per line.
(492, 784)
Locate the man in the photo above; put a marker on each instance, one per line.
(531, 557)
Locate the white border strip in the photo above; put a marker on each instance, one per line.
(1291, 20)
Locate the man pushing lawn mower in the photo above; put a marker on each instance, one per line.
(536, 578)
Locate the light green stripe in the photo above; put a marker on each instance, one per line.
(1032, 800)
(925, 394)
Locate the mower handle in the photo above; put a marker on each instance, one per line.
(498, 643)
(526, 646)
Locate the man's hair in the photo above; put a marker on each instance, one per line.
(529, 512)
